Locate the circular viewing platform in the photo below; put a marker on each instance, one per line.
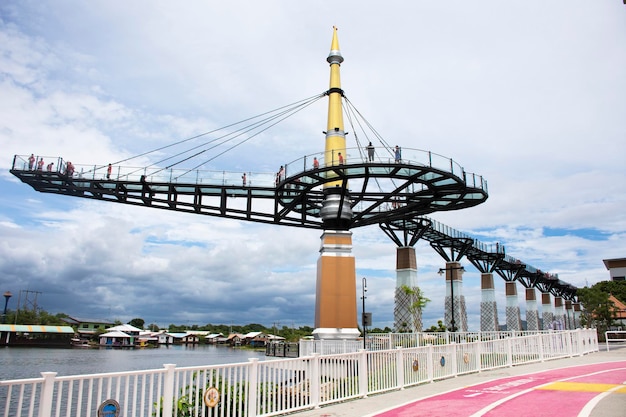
(378, 190)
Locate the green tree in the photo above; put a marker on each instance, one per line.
(616, 288)
(438, 328)
(598, 310)
(417, 302)
(137, 322)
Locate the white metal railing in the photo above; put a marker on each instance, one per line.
(382, 341)
(158, 174)
(269, 388)
(614, 336)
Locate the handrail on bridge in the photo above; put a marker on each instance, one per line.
(416, 157)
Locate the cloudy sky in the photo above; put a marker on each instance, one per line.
(529, 94)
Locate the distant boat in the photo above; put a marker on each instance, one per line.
(80, 343)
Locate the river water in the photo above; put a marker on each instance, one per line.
(29, 362)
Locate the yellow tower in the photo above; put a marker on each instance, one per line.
(335, 302)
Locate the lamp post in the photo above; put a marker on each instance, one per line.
(452, 276)
(363, 318)
(7, 295)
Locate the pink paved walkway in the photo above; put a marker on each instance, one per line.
(569, 391)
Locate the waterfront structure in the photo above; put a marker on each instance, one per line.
(617, 268)
(338, 193)
(35, 335)
(87, 327)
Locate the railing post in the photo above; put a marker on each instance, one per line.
(400, 367)
(540, 345)
(455, 352)
(579, 342)
(314, 380)
(168, 390)
(479, 354)
(430, 370)
(47, 392)
(253, 376)
(568, 343)
(363, 373)
(509, 352)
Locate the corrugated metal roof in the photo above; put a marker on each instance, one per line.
(34, 328)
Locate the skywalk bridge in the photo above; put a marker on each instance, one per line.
(394, 195)
(452, 244)
(380, 190)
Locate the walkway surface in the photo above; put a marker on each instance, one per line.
(586, 386)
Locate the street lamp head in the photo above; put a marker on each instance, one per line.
(454, 268)
(8, 295)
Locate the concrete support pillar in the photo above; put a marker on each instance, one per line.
(532, 314)
(406, 316)
(455, 301)
(335, 302)
(513, 320)
(576, 315)
(547, 312)
(488, 307)
(559, 314)
(569, 315)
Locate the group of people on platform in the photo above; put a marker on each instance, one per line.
(397, 152)
(280, 175)
(69, 169)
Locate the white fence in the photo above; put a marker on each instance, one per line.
(269, 388)
(614, 336)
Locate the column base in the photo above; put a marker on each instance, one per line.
(326, 333)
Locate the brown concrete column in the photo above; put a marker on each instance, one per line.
(547, 312)
(532, 314)
(569, 315)
(513, 320)
(488, 307)
(335, 301)
(577, 313)
(455, 301)
(405, 318)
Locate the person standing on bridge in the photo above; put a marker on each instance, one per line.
(370, 152)
(398, 154)
(244, 179)
(281, 174)
(316, 163)
(40, 164)
(340, 158)
(31, 162)
(109, 168)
